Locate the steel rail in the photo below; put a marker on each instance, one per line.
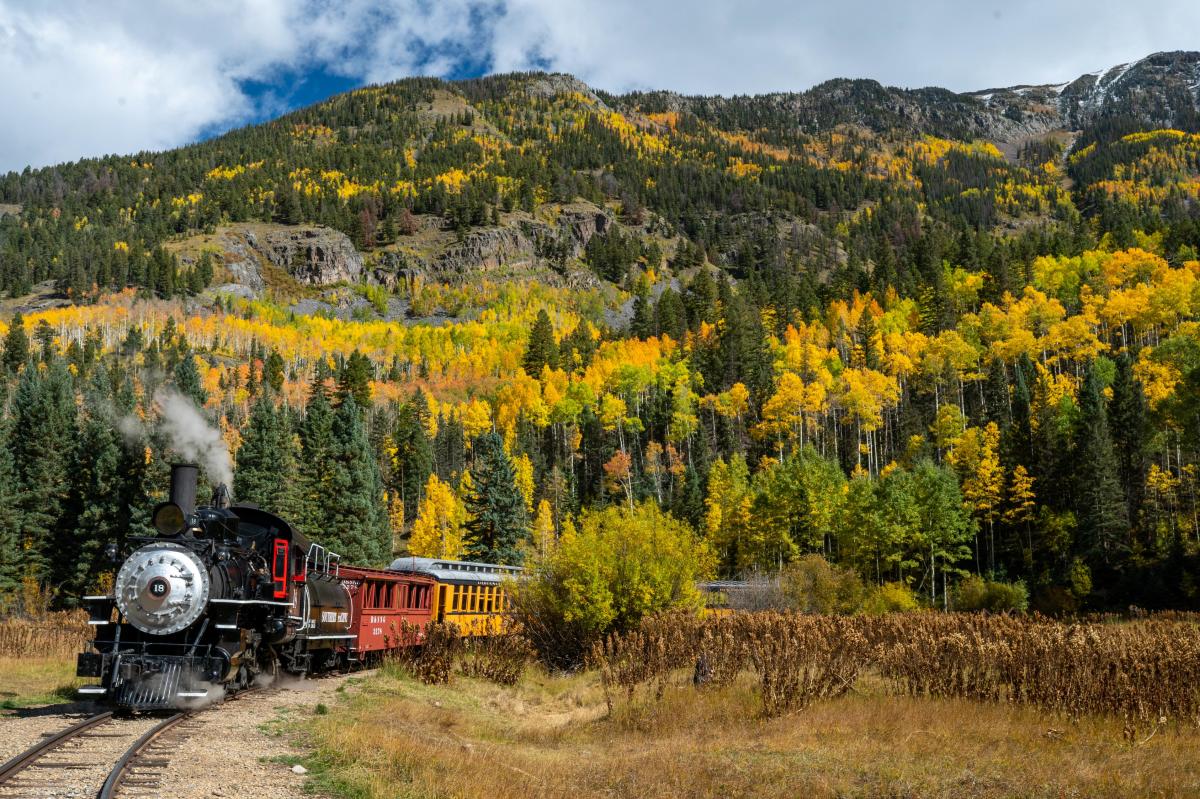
(121, 769)
(30, 755)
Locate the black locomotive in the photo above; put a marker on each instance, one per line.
(223, 596)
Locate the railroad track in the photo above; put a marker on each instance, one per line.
(78, 761)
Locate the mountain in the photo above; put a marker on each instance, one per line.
(921, 333)
(849, 183)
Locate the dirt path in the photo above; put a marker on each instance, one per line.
(237, 750)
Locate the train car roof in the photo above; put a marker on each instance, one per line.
(457, 571)
(365, 572)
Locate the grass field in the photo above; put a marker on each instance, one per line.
(36, 681)
(37, 658)
(553, 737)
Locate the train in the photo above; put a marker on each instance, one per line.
(227, 596)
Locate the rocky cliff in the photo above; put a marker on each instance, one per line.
(522, 244)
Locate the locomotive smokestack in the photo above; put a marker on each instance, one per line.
(183, 486)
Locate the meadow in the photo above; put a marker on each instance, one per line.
(37, 658)
(920, 705)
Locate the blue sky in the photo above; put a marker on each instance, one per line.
(83, 78)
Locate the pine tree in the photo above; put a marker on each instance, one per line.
(316, 456)
(1128, 414)
(356, 517)
(413, 461)
(44, 415)
(187, 378)
(273, 371)
(542, 349)
(10, 518)
(266, 464)
(43, 334)
(16, 345)
(1099, 500)
(355, 380)
(498, 522)
(93, 516)
(996, 394)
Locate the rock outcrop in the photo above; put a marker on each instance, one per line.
(317, 256)
(524, 245)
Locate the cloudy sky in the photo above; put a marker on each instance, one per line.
(80, 78)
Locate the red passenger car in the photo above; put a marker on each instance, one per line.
(381, 602)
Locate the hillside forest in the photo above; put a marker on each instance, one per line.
(918, 356)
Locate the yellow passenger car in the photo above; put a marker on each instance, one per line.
(469, 595)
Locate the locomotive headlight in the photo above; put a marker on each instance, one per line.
(169, 519)
(162, 588)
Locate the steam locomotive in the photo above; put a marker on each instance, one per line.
(229, 595)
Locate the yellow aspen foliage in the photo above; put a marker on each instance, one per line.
(438, 529)
(1021, 500)
(543, 533)
(523, 477)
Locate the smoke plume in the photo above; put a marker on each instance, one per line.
(192, 437)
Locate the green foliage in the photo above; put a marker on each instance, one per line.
(16, 345)
(976, 593)
(266, 466)
(618, 566)
(542, 349)
(498, 523)
(187, 378)
(354, 381)
(356, 523)
(814, 585)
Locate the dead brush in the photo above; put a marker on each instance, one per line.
(427, 652)
(1142, 671)
(498, 658)
(59, 636)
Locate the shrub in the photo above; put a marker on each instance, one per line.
(891, 598)
(619, 566)
(498, 658)
(814, 585)
(975, 593)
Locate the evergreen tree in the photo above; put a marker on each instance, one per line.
(273, 371)
(414, 454)
(266, 465)
(44, 413)
(357, 522)
(1099, 500)
(498, 523)
(43, 334)
(542, 349)
(996, 395)
(316, 463)
(187, 378)
(355, 380)
(10, 518)
(16, 345)
(93, 516)
(1128, 414)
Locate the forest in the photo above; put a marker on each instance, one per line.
(916, 357)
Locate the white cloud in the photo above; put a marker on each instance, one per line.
(80, 78)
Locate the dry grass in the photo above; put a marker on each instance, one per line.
(37, 657)
(36, 681)
(553, 737)
(56, 635)
(1145, 672)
